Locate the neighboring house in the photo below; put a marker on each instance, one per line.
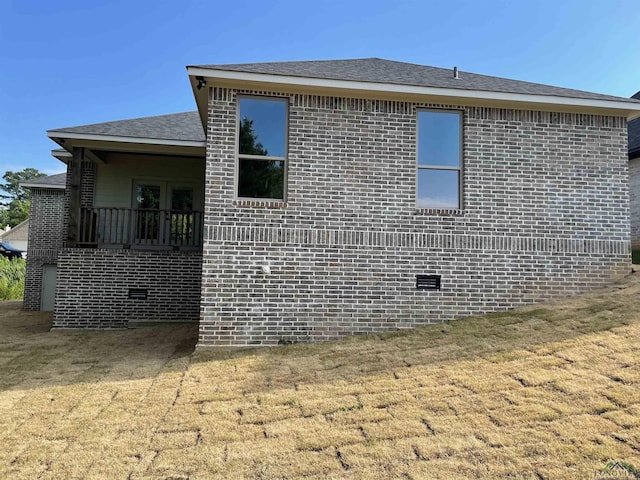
(311, 200)
(634, 178)
(17, 236)
(46, 238)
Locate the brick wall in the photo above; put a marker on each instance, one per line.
(545, 214)
(87, 192)
(93, 287)
(634, 200)
(46, 237)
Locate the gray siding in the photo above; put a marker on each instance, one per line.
(114, 179)
(545, 214)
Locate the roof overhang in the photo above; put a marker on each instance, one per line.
(61, 154)
(40, 185)
(69, 140)
(270, 82)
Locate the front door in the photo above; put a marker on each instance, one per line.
(163, 213)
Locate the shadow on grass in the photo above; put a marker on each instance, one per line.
(505, 333)
(32, 356)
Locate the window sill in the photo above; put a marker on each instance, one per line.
(441, 212)
(260, 203)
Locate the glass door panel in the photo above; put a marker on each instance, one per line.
(148, 199)
(180, 224)
(163, 214)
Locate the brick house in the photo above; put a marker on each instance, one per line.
(634, 178)
(46, 238)
(311, 200)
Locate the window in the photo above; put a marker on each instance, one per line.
(262, 148)
(439, 159)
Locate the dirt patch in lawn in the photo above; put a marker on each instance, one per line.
(548, 391)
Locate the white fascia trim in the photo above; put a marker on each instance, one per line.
(114, 138)
(411, 89)
(40, 185)
(58, 153)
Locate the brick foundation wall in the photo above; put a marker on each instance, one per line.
(545, 214)
(45, 239)
(93, 286)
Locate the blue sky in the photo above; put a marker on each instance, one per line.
(74, 62)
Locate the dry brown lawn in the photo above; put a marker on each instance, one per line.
(549, 391)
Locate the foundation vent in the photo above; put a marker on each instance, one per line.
(138, 293)
(428, 282)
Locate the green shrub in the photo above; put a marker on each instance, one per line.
(12, 278)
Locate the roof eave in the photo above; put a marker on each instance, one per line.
(62, 155)
(40, 185)
(114, 143)
(630, 110)
(62, 135)
(200, 93)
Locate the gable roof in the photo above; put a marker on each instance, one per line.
(175, 128)
(378, 70)
(634, 135)
(18, 233)
(58, 180)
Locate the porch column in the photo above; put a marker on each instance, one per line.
(75, 192)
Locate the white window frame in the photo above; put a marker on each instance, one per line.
(244, 156)
(459, 169)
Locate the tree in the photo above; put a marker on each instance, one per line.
(257, 178)
(15, 200)
(249, 139)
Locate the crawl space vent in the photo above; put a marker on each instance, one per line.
(138, 293)
(428, 282)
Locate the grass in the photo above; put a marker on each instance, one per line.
(550, 391)
(12, 274)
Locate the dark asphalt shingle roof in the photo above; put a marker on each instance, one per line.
(59, 179)
(176, 126)
(187, 126)
(388, 71)
(634, 134)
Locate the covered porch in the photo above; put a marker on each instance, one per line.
(134, 222)
(142, 192)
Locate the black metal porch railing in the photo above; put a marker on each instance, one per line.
(126, 227)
